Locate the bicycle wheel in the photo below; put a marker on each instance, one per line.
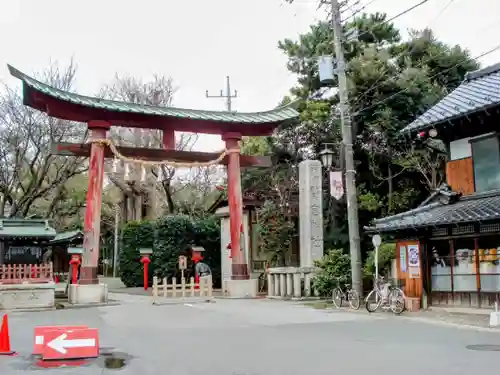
(397, 301)
(337, 297)
(373, 301)
(353, 299)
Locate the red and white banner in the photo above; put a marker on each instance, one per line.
(336, 184)
(71, 344)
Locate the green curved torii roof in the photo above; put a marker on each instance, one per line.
(33, 88)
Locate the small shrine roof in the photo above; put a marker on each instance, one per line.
(72, 106)
(26, 228)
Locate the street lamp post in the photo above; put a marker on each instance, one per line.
(326, 156)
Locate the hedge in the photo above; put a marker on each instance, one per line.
(168, 237)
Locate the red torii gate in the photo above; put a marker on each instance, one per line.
(100, 115)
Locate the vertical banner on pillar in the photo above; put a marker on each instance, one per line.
(336, 185)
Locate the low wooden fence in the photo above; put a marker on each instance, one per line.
(182, 289)
(26, 273)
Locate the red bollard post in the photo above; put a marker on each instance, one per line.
(145, 260)
(74, 262)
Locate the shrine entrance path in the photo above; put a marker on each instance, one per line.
(259, 337)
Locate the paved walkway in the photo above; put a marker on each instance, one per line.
(254, 337)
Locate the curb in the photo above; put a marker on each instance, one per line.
(68, 306)
(183, 301)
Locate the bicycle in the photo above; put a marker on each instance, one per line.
(386, 296)
(339, 294)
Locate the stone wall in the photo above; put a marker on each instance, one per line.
(27, 296)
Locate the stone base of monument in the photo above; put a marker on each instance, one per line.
(27, 296)
(87, 294)
(242, 288)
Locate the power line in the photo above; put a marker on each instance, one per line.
(360, 10)
(432, 77)
(406, 11)
(228, 96)
(409, 49)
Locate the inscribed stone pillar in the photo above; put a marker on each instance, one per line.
(311, 212)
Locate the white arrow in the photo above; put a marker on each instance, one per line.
(60, 344)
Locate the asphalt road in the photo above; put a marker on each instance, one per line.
(258, 337)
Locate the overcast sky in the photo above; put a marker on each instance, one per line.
(199, 42)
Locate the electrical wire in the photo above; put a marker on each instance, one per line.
(359, 10)
(408, 50)
(432, 77)
(376, 84)
(404, 12)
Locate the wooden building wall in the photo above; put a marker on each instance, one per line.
(460, 175)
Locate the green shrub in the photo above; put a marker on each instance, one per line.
(168, 237)
(135, 235)
(386, 253)
(334, 264)
(174, 235)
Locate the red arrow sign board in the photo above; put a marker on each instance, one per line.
(40, 336)
(71, 344)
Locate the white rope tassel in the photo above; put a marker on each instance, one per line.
(143, 173)
(159, 176)
(127, 172)
(115, 165)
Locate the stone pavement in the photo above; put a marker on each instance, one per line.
(253, 337)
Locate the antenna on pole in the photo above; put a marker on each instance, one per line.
(228, 95)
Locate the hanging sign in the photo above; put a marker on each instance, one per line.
(336, 184)
(182, 262)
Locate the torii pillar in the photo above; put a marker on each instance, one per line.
(88, 289)
(239, 267)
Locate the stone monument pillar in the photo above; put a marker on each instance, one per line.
(311, 212)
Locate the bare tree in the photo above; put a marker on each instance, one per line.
(181, 189)
(30, 177)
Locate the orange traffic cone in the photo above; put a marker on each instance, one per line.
(5, 337)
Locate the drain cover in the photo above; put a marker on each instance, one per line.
(484, 348)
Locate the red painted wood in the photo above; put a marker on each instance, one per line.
(169, 139)
(235, 206)
(157, 154)
(71, 344)
(39, 337)
(92, 221)
(23, 273)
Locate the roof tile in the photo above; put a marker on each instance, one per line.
(479, 207)
(273, 116)
(479, 90)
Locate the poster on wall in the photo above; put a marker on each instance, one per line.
(402, 258)
(413, 256)
(413, 262)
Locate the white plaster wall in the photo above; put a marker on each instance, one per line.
(460, 149)
(226, 238)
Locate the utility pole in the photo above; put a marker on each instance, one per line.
(350, 173)
(228, 96)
